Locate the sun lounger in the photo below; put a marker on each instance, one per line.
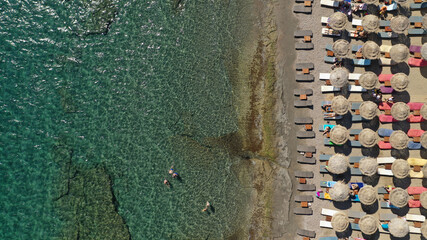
(324, 20)
(303, 120)
(303, 33)
(302, 1)
(328, 47)
(387, 216)
(415, 119)
(385, 160)
(384, 23)
(356, 22)
(305, 148)
(387, 205)
(386, 62)
(304, 77)
(302, 9)
(330, 32)
(329, 3)
(384, 105)
(306, 187)
(356, 214)
(351, 76)
(337, 117)
(356, 48)
(355, 105)
(414, 49)
(303, 211)
(415, 62)
(304, 46)
(386, 90)
(417, 6)
(390, 7)
(305, 134)
(355, 159)
(415, 133)
(417, 162)
(326, 224)
(415, 217)
(414, 174)
(384, 172)
(329, 89)
(415, 105)
(415, 190)
(303, 91)
(414, 145)
(328, 212)
(361, 62)
(416, 31)
(306, 233)
(329, 59)
(304, 174)
(384, 145)
(301, 66)
(385, 48)
(384, 77)
(388, 35)
(306, 160)
(357, 118)
(303, 103)
(355, 226)
(384, 132)
(322, 196)
(386, 118)
(303, 198)
(414, 230)
(382, 190)
(324, 157)
(353, 171)
(356, 89)
(414, 19)
(355, 131)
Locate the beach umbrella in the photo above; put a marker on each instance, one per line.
(424, 229)
(425, 21)
(424, 51)
(340, 105)
(400, 111)
(424, 171)
(339, 77)
(423, 111)
(368, 166)
(369, 80)
(340, 221)
(368, 195)
(368, 138)
(399, 53)
(399, 82)
(399, 139)
(423, 199)
(424, 140)
(398, 227)
(337, 21)
(399, 197)
(370, 23)
(400, 168)
(370, 1)
(338, 164)
(370, 50)
(339, 192)
(339, 135)
(341, 48)
(399, 24)
(368, 110)
(368, 224)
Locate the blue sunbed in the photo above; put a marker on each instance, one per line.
(388, 35)
(329, 59)
(328, 238)
(382, 190)
(416, 31)
(324, 126)
(356, 48)
(414, 145)
(361, 62)
(390, 7)
(355, 198)
(355, 226)
(329, 47)
(387, 205)
(384, 23)
(355, 159)
(383, 132)
(324, 157)
(355, 144)
(357, 118)
(414, 19)
(355, 105)
(416, 6)
(355, 131)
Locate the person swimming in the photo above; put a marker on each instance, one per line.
(175, 175)
(207, 207)
(166, 182)
(171, 170)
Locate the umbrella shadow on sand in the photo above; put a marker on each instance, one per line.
(372, 124)
(371, 152)
(374, 236)
(370, 209)
(401, 211)
(371, 180)
(401, 96)
(402, 182)
(344, 235)
(400, 153)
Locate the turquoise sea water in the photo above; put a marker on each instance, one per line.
(115, 92)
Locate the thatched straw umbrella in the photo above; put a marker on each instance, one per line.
(338, 164)
(370, 1)
(368, 195)
(368, 166)
(424, 50)
(399, 53)
(398, 227)
(370, 50)
(399, 197)
(424, 171)
(339, 135)
(337, 21)
(339, 77)
(368, 110)
(368, 224)
(368, 138)
(399, 139)
(340, 221)
(423, 199)
(399, 82)
(423, 111)
(369, 80)
(370, 23)
(340, 105)
(399, 24)
(400, 111)
(424, 229)
(400, 168)
(425, 21)
(341, 48)
(424, 140)
(339, 192)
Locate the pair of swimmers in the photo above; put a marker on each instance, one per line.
(174, 175)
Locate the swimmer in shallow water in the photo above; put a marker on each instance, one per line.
(207, 207)
(171, 170)
(166, 182)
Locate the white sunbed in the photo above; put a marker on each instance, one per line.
(412, 229)
(385, 160)
(329, 3)
(415, 217)
(328, 212)
(351, 76)
(351, 88)
(356, 22)
(384, 172)
(330, 32)
(325, 224)
(387, 62)
(324, 20)
(385, 48)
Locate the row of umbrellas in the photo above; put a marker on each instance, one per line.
(371, 23)
(368, 224)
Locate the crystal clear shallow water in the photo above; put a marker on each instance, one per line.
(152, 92)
